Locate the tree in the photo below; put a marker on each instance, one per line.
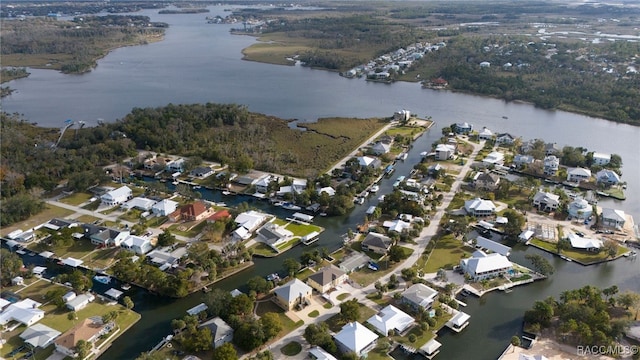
(396, 253)
(249, 335)
(198, 339)
(349, 356)
(292, 266)
(225, 352)
(514, 225)
(540, 264)
(166, 238)
(318, 335)
(83, 348)
(241, 305)
(178, 324)
(10, 265)
(610, 248)
(128, 303)
(259, 284)
(72, 316)
(563, 244)
(515, 340)
(218, 302)
(350, 310)
(628, 299)
(271, 325)
(610, 291)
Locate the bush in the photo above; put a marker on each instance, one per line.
(412, 338)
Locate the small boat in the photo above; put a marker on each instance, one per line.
(103, 279)
(504, 117)
(375, 188)
(125, 287)
(273, 277)
(290, 206)
(323, 214)
(175, 183)
(278, 203)
(197, 187)
(226, 192)
(404, 156)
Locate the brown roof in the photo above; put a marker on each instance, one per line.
(84, 330)
(222, 214)
(195, 209)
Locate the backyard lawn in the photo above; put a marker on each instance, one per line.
(302, 229)
(336, 322)
(49, 212)
(263, 250)
(181, 229)
(447, 253)
(584, 257)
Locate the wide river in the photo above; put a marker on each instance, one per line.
(198, 62)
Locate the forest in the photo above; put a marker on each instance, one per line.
(72, 46)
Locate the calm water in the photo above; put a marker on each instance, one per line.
(199, 62)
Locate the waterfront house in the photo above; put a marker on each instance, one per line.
(201, 172)
(607, 177)
(262, 185)
(546, 201)
(25, 312)
(378, 243)
(250, 220)
(494, 158)
(191, 212)
(164, 259)
(327, 189)
(292, 294)
(88, 330)
(176, 165)
(221, 332)
(578, 174)
(273, 235)
(299, 185)
(584, 243)
(601, 159)
(137, 244)
(479, 207)
(140, 203)
(354, 262)
(396, 225)
(327, 278)
(613, 218)
(105, 237)
(580, 209)
(486, 181)
(490, 245)
(380, 148)
(368, 161)
(419, 296)
(445, 152)
(505, 138)
(481, 266)
(485, 134)
(355, 337)
(79, 302)
(551, 165)
(116, 197)
(462, 128)
(164, 207)
(522, 160)
(552, 149)
(317, 353)
(391, 318)
(39, 336)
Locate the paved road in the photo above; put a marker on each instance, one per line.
(361, 293)
(82, 211)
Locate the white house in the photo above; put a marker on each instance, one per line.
(39, 335)
(250, 220)
(505, 138)
(272, 234)
(462, 128)
(578, 174)
(613, 218)
(479, 207)
(221, 332)
(117, 196)
(396, 225)
(391, 318)
(607, 177)
(601, 159)
(262, 185)
(80, 301)
(327, 189)
(201, 172)
(485, 134)
(176, 165)
(584, 243)
(368, 161)
(445, 152)
(482, 266)
(494, 158)
(139, 203)
(520, 160)
(419, 296)
(137, 244)
(355, 337)
(487, 244)
(459, 321)
(485, 64)
(551, 165)
(317, 353)
(25, 312)
(164, 207)
(546, 201)
(380, 148)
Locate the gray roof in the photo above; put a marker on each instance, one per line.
(420, 294)
(326, 275)
(377, 240)
(38, 335)
(292, 290)
(219, 328)
(493, 246)
(354, 261)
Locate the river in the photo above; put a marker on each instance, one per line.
(199, 62)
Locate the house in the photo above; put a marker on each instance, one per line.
(272, 234)
(79, 302)
(25, 312)
(396, 225)
(105, 237)
(552, 149)
(378, 243)
(220, 215)
(485, 64)
(462, 128)
(482, 266)
(485, 134)
(368, 161)
(39, 336)
(176, 165)
(505, 139)
(445, 152)
(354, 262)
(391, 319)
(601, 159)
(137, 244)
(486, 181)
(88, 330)
(584, 243)
(164, 207)
(613, 218)
(116, 197)
(494, 158)
(72, 262)
(139, 203)
(191, 212)
(57, 224)
(580, 209)
(546, 201)
(250, 220)
(380, 148)
(292, 294)
(578, 174)
(355, 337)
(419, 296)
(317, 353)
(551, 165)
(221, 332)
(18, 280)
(262, 185)
(326, 279)
(201, 172)
(327, 189)
(299, 185)
(479, 207)
(164, 259)
(607, 177)
(522, 160)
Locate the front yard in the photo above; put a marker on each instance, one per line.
(336, 322)
(366, 276)
(446, 254)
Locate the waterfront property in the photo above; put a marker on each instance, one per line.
(293, 294)
(164, 207)
(486, 181)
(580, 209)
(613, 218)
(459, 321)
(607, 177)
(391, 319)
(378, 243)
(551, 165)
(25, 312)
(327, 278)
(578, 174)
(88, 330)
(419, 296)
(490, 245)
(546, 201)
(221, 332)
(584, 243)
(39, 336)
(479, 207)
(354, 262)
(481, 266)
(355, 337)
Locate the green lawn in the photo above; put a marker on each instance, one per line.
(302, 229)
(132, 215)
(584, 257)
(262, 249)
(336, 322)
(191, 233)
(101, 259)
(280, 222)
(291, 349)
(422, 336)
(342, 296)
(303, 275)
(357, 246)
(287, 324)
(87, 219)
(314, 314)
(289, 244)
(157, 221)
(49, 212)
(76, 198)
(79, 249)
(380, 300)
(366, 276)
(447, 253)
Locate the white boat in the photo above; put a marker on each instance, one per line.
(226, 192)
(125, 287)
(175, 183)
(273, 277)
(290, 206)
(404, 156)
(278, 203)
(424, 153)
(375, 188)
(103, 279)
(197, 187)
